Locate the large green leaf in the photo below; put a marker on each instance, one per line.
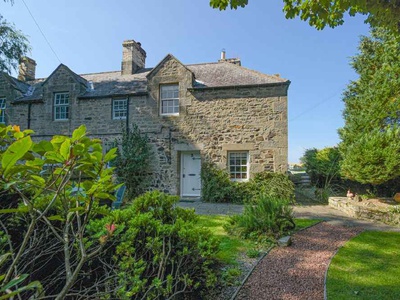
(15, 152)
(110, 155)
(65, 149)
(79, 133)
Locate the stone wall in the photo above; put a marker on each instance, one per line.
(365, 210)
(212, 121)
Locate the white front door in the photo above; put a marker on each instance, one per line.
(190, 174)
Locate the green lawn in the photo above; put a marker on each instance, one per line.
(231, 246)
(367, 267)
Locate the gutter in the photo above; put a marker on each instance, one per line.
(286, 83)
(113, 95)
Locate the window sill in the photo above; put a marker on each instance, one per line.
(169, 115)
(239, 180)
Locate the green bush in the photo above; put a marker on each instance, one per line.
(217, 187)
(158, 250)
(322, 165)
(132, 164)
(272, 184)
(266, 217)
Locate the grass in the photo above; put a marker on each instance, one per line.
(231, 246)
(367, 267)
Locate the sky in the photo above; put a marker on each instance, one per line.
(87, 36)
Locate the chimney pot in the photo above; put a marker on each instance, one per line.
(27, 69)
(223, 54)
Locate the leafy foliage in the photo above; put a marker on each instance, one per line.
(276, 185)
(217, 187)
(331, 13)
(374, 157)
(13, 46)
(157, 250)
(323, 166)
(60, 184)
(267, 217)
(133, 162)
(370, 138)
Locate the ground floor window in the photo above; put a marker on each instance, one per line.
(238, 164)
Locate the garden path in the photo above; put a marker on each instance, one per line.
(296, 272)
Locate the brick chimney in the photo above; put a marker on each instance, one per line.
(133, 57)
(27, 69)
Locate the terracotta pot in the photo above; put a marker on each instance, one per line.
(397, 197)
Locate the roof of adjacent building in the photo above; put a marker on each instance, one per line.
(107, 84)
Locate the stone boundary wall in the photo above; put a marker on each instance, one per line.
(361, 210)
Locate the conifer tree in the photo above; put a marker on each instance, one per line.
(371, 136)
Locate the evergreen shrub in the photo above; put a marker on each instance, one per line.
(217, 186)
(157, 250)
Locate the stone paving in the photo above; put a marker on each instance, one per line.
(323, 212)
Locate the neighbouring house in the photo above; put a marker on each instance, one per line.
(220, 111)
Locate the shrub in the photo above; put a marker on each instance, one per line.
(217, 187)
(267, 217)
(133, 161)
(158, 250)
(273, 184)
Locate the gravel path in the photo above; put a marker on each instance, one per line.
(297, 272)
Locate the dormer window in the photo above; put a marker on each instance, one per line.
(119, 109)
(61, 106)
(169, 99)
(3, 110)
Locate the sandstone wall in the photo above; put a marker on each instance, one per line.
(212, 121)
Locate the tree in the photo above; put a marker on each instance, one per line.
(371, 136)
(330, 13)
(322, 165)
(13, 45)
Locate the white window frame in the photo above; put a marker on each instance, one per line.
(169, 94)
(3, 110)
(235, 169)
(119, 109)
(61, 106)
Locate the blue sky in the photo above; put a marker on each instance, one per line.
(86, 35)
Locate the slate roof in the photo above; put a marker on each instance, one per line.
(224, 74)
(207, 75)
(113, 83)
(17, 84)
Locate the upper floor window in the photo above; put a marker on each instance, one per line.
(169, 99)
(2, 110)
(119, 109)
(238, 164)
(61, 106)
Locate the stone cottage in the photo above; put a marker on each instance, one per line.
(219, 111)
